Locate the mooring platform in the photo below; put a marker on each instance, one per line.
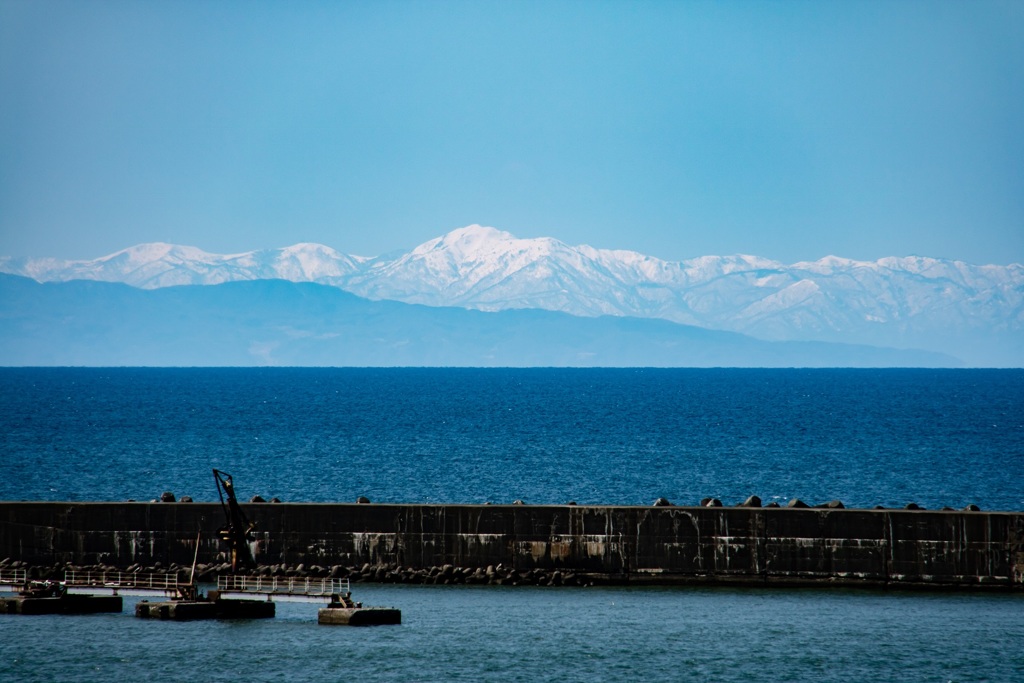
(359, 616)
(254, 597)
(64, 604)
(236, 597)
(49, 597)
(194, 610)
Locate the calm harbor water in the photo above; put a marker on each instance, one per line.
(459, 633)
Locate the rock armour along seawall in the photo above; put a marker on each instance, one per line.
(659, 544)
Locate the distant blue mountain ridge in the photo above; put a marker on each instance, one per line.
(278, 322)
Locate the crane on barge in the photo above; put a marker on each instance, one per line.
(239, 531)
(239, 589)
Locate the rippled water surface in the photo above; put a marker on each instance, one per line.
(549, 634)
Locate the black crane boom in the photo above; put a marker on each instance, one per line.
(239, 531)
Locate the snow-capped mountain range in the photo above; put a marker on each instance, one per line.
(973, 311)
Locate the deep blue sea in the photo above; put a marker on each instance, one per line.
(613, 436)
(866, 437)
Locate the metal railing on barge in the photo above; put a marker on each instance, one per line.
(124, 583)
(172, 585)
(13, 580)
(281, 588)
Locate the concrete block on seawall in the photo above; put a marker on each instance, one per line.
(359, 616)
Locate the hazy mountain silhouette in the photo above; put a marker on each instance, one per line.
(278, 322)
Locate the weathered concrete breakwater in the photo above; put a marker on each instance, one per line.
(525, 544)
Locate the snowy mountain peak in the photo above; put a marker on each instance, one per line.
(311, 248)
(156, 251)
(308, 261)
(460, 261)
(894, 301)
(831, 264)
(473, 242)
(476, 235)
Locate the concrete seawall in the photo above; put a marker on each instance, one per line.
(730, 545)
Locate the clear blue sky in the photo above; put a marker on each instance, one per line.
(790, 130)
